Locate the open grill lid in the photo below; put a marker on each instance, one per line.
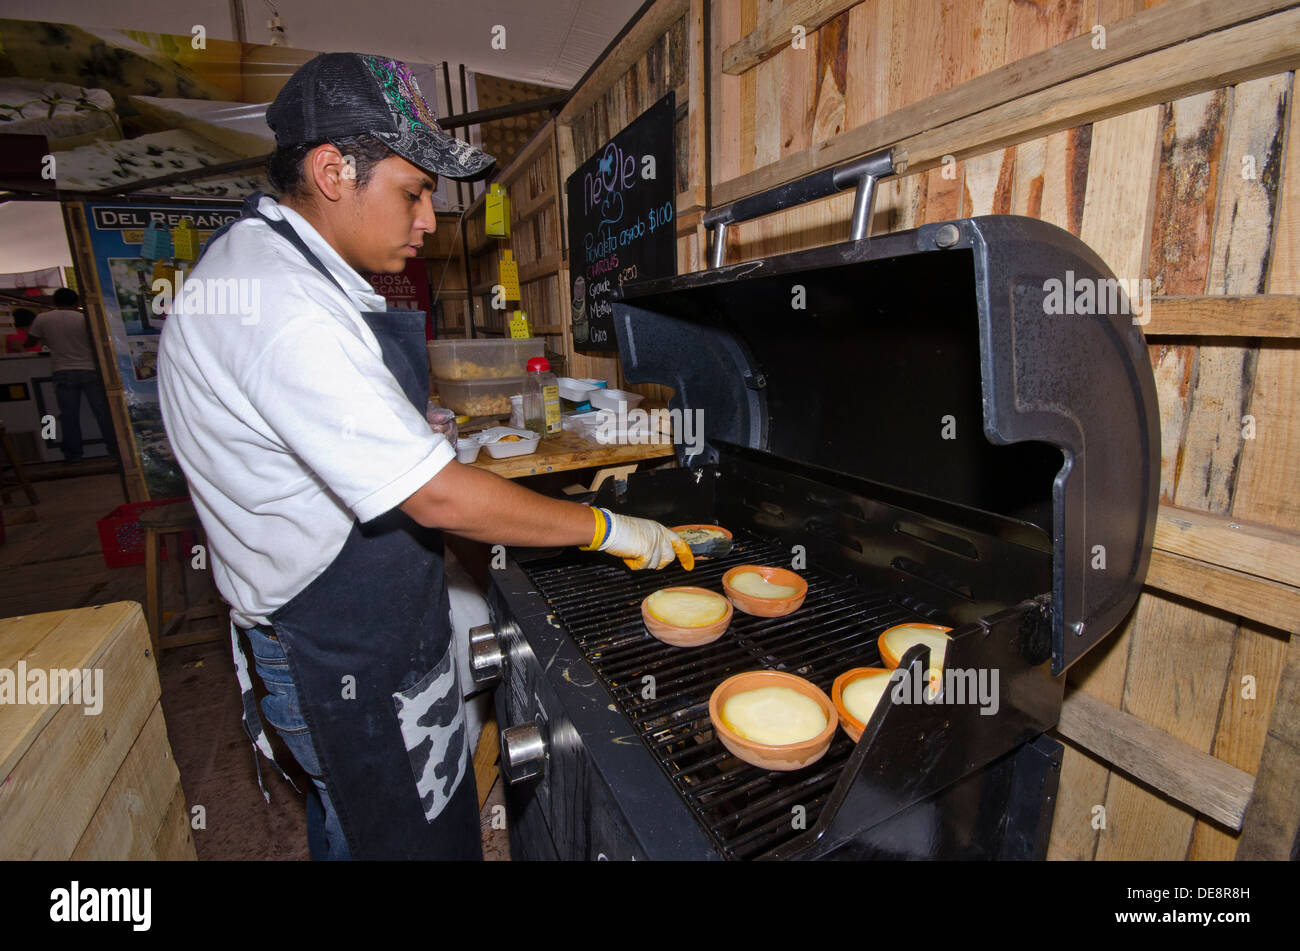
(928, 360)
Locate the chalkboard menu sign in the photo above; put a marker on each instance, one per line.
(621, 205)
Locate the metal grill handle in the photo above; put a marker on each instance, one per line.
(861, 173)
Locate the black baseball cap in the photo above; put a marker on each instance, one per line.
(334, 95)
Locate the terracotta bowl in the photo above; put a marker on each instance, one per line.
(710, 549)
(679, 635)
(786, 757)
(852, 725)
(766, 607)
(887, 657)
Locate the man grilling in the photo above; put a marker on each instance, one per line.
(324, 491)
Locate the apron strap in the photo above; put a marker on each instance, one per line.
(251, 716)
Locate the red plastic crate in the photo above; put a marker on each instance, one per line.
(121, 538)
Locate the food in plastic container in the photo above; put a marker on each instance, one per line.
(502, 442)
(479, 397)
(482, 359)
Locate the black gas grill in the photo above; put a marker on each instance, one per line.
(922, 441)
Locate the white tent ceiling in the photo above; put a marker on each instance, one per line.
(552, 42)
(546, 41)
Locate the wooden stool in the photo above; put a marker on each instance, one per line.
(173, 520)
(11, 460)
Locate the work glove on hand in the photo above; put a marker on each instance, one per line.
(640, 542)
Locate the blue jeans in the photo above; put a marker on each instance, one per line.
(325, 839)
(69, 385)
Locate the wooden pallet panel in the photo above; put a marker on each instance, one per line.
(175, 839)
(1270, 463)
(1258, 659)
(135, 803)
(1272, 826)
(1219, 399)
(1192, 141)
(49, 796)
(1166, 691)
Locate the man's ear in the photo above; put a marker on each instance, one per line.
(331, 171)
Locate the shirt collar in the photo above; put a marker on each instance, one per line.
(357, 287)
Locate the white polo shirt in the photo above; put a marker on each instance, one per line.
(281, 412)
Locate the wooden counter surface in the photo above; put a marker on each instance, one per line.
(570, 451)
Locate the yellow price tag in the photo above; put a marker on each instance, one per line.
(496, 212)
(509, 275)
(519, 326)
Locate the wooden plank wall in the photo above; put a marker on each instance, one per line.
(671, 60)
(536, 241)
(1198, 194)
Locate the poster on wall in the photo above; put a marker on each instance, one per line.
(136, 315)
(407, 290)
(621, 205)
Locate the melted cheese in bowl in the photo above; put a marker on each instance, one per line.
(774, 716)
(755, 585)
(687, 608)
(862, 696)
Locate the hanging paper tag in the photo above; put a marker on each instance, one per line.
(497, 212)
(156, 245)
(519, 326)
(186, 241)
(509, 275)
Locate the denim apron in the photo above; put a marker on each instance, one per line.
(369, 650)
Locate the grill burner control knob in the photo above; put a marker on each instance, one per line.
(485, 655)
(523, 752)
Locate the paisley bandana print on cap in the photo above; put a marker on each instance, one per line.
(418, 137)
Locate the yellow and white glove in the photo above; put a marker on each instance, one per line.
(640, 542)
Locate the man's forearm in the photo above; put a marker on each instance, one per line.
(487, 508)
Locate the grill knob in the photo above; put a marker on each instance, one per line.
(523, 752)
(485, 655)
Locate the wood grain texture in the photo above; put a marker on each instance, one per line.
(1196, 779)
(1261, 550)
(1256, 315)
(1270, 463)
(1179, 697)
(49, 796)
(569, 451)
(1187, 186)
(870, 31)
(175, 839)
(1269, 602)
(776, 33)
(1219, 400)
(1272, 824)
(1022, 101)
(133, 808)
(648, 30)
(1258, 658)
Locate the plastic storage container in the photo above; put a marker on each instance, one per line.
(482, 359)
(479, 397)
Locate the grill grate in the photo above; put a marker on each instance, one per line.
(746, 810)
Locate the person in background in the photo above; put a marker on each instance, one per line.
(20, 340)
(64, 331)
